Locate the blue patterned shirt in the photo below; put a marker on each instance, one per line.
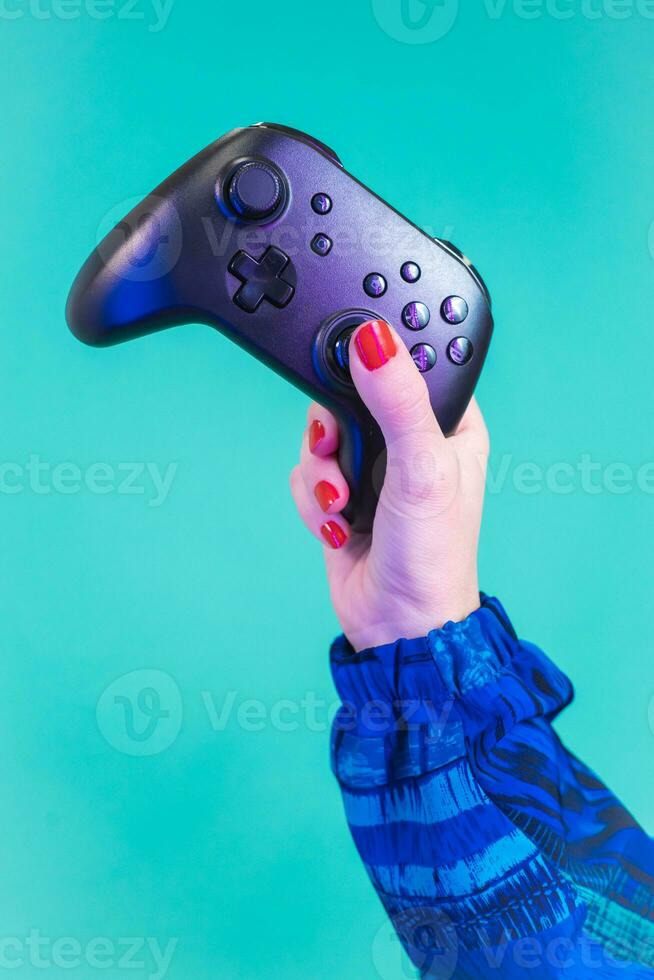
(495, 852)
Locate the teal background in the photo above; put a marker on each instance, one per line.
(526, 141)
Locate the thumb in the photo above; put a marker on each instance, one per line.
(391, 385)
(418, 467)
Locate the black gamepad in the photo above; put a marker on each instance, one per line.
(266, 237)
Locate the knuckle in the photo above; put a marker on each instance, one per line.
(410, 407)
(420, 477)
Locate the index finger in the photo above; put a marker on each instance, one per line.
(322, 429)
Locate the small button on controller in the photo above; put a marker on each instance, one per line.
(374, 284)
(321, 245)
(255, 190)
(321, 203)
(459, 350)
(410, 272)
(454, 309)
(424, 357)
(415, 316)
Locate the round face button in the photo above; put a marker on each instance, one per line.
(321, 203)
(321, 245)
(459, 350)
(424, 357)
(410, 272)
(374, 284)
(454, 309)
(415, 316)
(255, 190)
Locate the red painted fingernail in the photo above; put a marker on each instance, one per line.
(326, 494)
(333, 534)
(375, 345)
(316, 433)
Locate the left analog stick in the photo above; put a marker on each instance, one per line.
(255, 190)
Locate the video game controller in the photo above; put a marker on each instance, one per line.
(266, 237)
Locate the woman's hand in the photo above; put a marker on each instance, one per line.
(418, 568)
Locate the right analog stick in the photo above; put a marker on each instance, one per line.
(342, 351)
(334, 342)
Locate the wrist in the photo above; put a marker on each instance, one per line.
(409, 622)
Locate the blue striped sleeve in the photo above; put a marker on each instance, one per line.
(494, 851)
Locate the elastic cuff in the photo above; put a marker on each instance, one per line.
(410, 706)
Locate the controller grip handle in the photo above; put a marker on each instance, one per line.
(362, 459)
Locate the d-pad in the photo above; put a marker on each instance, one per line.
(262, 279)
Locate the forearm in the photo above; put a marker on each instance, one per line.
(484, 838)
